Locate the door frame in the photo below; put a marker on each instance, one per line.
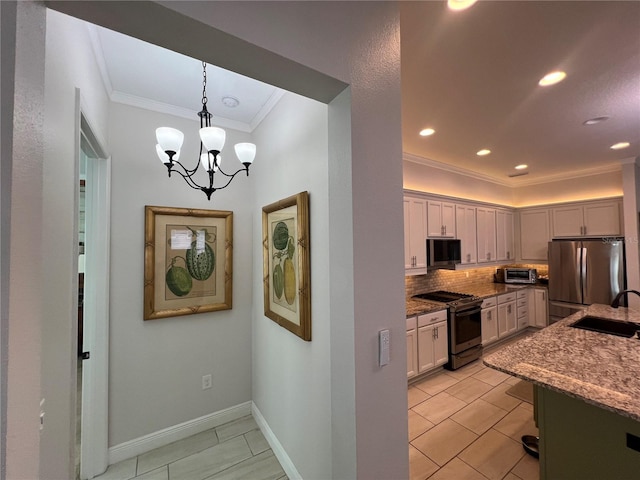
(95, 370)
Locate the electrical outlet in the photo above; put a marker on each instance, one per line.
(206, 382)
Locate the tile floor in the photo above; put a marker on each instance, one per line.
(463, 426)
(235, 450)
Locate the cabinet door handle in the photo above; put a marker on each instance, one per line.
(468, 258)
(508, 308)
(508, 255)
(489, 315)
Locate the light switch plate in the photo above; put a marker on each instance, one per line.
(383, 343)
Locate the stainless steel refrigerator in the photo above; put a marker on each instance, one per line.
(583, 272)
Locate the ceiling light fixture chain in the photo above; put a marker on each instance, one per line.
(211, 143)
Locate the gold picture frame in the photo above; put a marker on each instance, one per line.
(188, 256)
(286, 264)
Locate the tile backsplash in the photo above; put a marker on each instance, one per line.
(457, 280)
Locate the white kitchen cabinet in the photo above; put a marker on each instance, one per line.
(466, 231)
(590, 219)
(541, 315)
(504, 235)
(486, 232)
(415, 235)
(535, 234)
(507, 320)
(522, 308)
(489, 318)
(433, 346)
(412, 347)
(441, 219)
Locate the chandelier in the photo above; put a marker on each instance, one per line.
(211, 143)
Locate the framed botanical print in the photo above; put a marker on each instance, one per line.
(187, 261)
(287, 276)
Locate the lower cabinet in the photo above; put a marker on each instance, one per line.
(489, 318)
(412, 347)
(540, 310)
(427, 342)
(522, 308)
(507, 321)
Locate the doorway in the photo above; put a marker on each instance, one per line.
(93, 303)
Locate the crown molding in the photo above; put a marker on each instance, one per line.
(160, 107)
(409, 157)
(98, 54)
(586, 172)
(266, 108)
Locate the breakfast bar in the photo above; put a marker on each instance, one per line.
(587, 388)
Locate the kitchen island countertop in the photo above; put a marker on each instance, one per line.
(598, 368)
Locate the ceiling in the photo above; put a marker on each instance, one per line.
(470, 75)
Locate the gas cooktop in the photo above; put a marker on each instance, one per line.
(454, 300)
(443, 296)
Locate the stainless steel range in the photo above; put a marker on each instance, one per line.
(464, 325)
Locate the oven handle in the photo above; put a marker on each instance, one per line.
(466, 313)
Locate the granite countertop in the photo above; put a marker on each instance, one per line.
(598, 368)
(417, 306)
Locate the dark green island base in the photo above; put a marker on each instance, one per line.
(587, 396)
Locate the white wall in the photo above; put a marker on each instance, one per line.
(603, 185)
(156, 366)
(69, 64)
(425, 178)
(22, 326)
(291, 377)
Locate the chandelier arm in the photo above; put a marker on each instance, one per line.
(230, 177)
(187, 178)
(185, 169)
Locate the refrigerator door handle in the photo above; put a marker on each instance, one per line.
(584, 271)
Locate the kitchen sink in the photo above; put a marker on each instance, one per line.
(606, 325)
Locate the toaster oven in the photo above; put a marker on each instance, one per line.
(520, 275)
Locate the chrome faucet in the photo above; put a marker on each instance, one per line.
(616, 301)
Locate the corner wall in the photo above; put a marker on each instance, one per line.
(156, 366)
(291, 377)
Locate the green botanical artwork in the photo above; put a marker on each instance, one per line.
(283, 276)
(190, 261)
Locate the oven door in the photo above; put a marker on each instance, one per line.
(466, 328)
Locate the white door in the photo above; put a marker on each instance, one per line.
(426, 339)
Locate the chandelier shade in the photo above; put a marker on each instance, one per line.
(246, 152)
(169, 139)
(212, 140)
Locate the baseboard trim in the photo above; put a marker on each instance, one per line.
(278, 450)
(168, 435)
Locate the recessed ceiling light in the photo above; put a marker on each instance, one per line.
(521, 167)
(426, 132)
(460, 4)
(593, 121)
(483, 152)
(552, 78)
(620, 146)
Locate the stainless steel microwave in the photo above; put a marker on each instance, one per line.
(443, 253)
(520, 275)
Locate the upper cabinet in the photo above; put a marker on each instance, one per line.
(588, 219)
(486, 231)
(441, 219)
(534, 234)
(504, 235)
(466, 230)
(415, 234)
